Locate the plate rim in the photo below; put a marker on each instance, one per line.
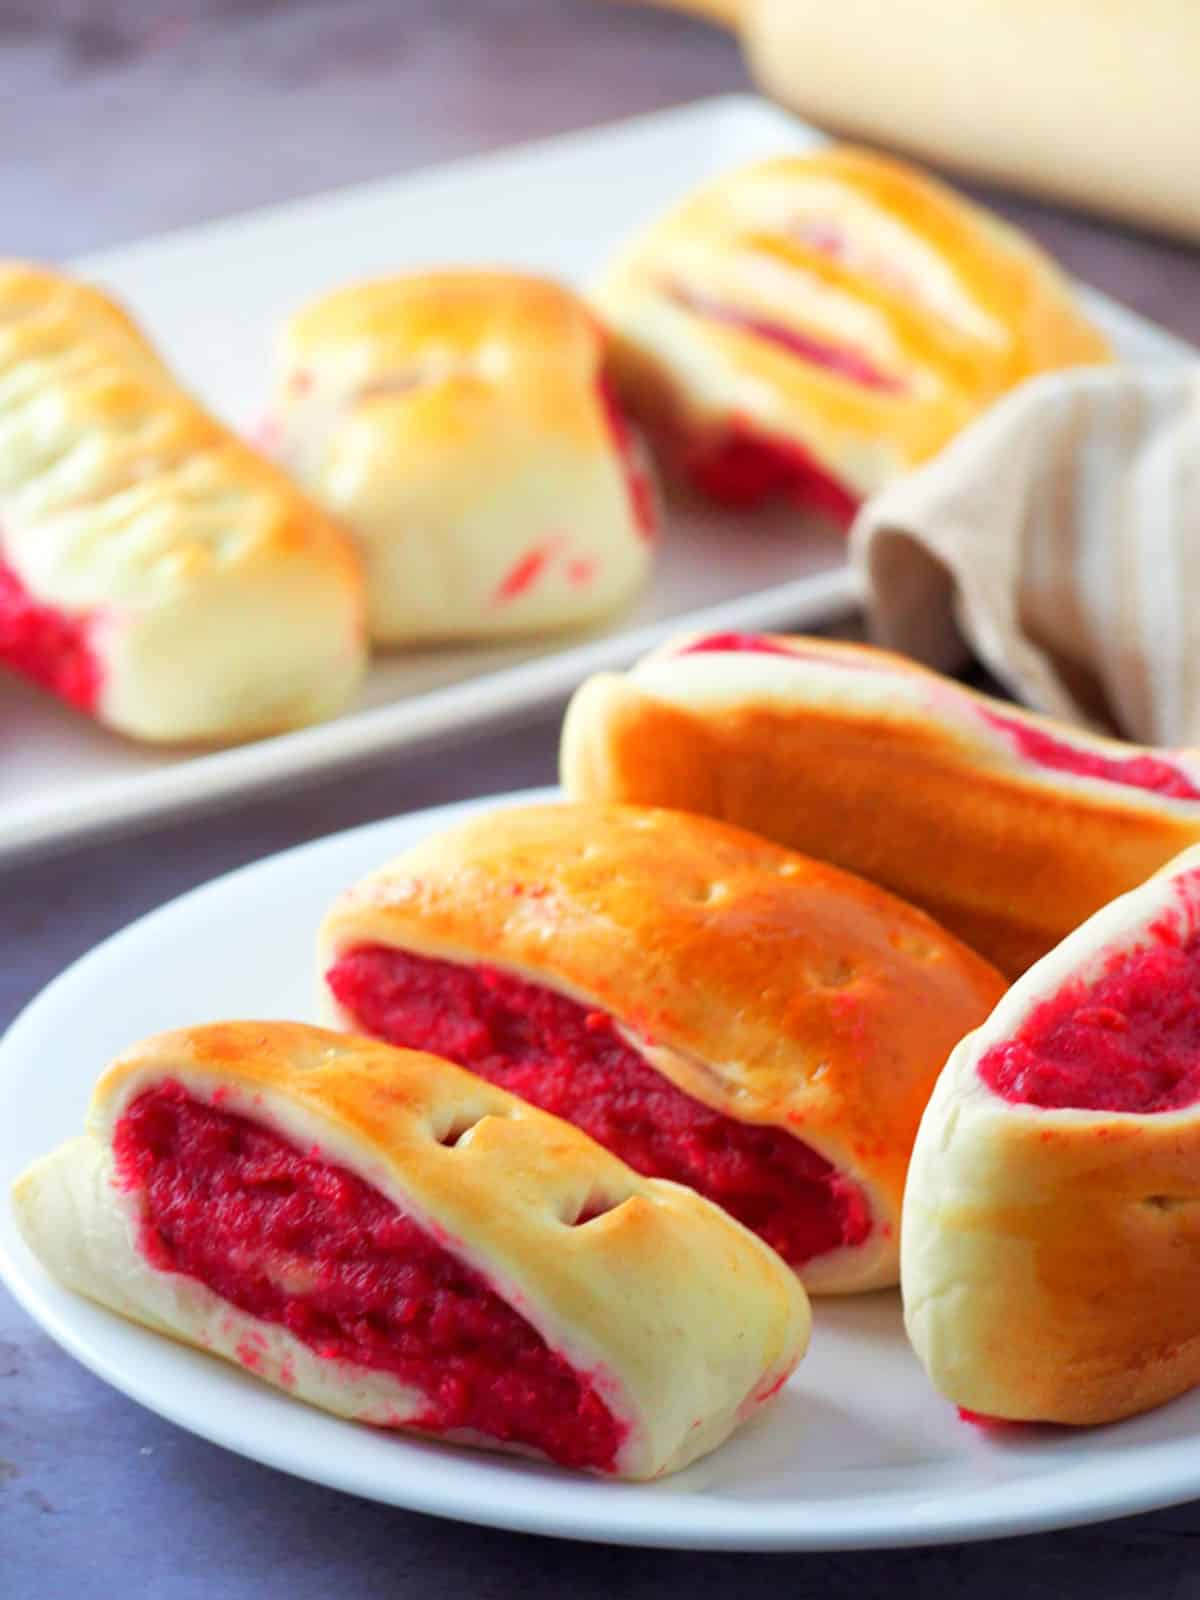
(557, 1504)
(105, 807)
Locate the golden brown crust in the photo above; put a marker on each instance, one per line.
(449, 417)
(395, 1106)
(46, 311)
(383, 334)
(1086, 1309)
(770, 987)
(896, 788)
(950, 306)
(110, 377)
(123, 498)
(454, 306)
(682, 1319)
(1051, 1258)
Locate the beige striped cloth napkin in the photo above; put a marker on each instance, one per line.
(1058, 538)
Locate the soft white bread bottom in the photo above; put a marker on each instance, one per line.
(234, 661)
(767, 987)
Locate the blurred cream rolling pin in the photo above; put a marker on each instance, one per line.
(1096, 102)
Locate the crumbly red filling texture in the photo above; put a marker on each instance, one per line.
(1127, 1041)
(298, 1241)
(1136, 772)
(570, 1060)
(45, 644)
(744, 466)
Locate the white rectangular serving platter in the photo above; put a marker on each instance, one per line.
(212, 297)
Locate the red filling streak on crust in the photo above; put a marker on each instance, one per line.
(980, 1419)
(820, 233)
(1136, 772)
(638, 484)
(826, 236)
(295, 1240)
(841, 360)
(267, 435)
(757, 644)
(745, 466)
(571, 1061)
(47, 645)
(525, 571)
(581, 570)
(1127, 1041)
(736, 644)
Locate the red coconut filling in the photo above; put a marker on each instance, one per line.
(1129, 1041)
(294, 1240)
(1136, 772)
(43, 643)
(637, 481)
(744, 468)
(571, 1061)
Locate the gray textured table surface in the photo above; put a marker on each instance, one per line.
(122, 119)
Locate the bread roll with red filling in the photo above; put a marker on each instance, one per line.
(154, 571)
(814, 325)
(1051, 1235)
(459, 423)
(714, 1009)
(394, 1241)
(1007, 827)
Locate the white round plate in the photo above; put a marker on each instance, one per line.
(858, 1451)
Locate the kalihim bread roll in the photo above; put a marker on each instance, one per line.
(1008, 828)
(814, 325)
(388, 1238)
(459, 423)
(1051, 1234)
(155, 572)
(712, 1008)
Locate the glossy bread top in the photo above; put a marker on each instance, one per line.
(842, 298)
(687, 1319)
(215, 600)
(446, 339)
(1007, 827)
(769, 986)
(116, 486)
